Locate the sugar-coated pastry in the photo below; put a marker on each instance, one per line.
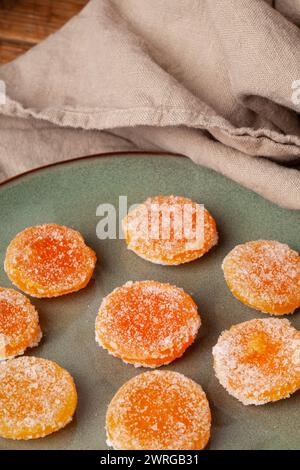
(49, 260)
(159, 410)
(37, 398)
(19, 324)
(170, 230)
(147, 323)
(264, 275)
(258, 361)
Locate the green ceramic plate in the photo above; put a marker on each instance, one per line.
(69, 194)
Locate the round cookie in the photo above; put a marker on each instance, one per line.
(159, 410)
(264, 275)
(19, 324)
(37, 398)
(49, 260)
(258, 361)
(147, 323)
(170, 230)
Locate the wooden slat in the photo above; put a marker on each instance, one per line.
(10, 50)
(32, 21)
(24, 23)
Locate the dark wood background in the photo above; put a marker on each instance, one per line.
(24, 23)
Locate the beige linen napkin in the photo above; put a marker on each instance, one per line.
(215, 80)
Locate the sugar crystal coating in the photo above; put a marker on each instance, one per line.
(159, 410)
(265, 275)
(147, 323)
(170, 230)
(37, 398)
(19, 324)
(49, 260)
(258, 361)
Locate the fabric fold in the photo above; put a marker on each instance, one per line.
(210, 80)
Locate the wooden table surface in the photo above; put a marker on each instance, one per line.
(24, 23)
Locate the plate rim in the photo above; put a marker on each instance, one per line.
(84, 157)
